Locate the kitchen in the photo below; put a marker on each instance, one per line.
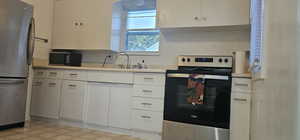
(122, 90)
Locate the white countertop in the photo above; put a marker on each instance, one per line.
(242, 75)
(93, 68)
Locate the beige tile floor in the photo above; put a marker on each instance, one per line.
(39, 130)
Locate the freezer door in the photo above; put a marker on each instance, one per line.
(13, 94)
(15, 38)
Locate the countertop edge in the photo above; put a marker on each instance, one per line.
(101, 69)
(242, 75)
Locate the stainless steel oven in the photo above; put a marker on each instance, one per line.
(198, 95)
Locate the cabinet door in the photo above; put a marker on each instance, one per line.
(225, 12)
(119, 110)
(37, 103)
(95, 24)
(66, 24)
(97, 104)
(240, 117)
(179, 13)
(51, 99)
(73, 94)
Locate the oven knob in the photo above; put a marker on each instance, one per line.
(183, 59)
(220, 60)
(226, 60)
(188, 60)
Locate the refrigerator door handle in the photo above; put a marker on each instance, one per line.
(11, 81)
(31, 41)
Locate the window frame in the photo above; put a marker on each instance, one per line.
(125, 37)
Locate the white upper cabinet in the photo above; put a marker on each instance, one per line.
(82, 24)
(202, 13)
(178, 13)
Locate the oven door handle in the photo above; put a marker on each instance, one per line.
(213, 77)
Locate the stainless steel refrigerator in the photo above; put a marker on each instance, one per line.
(16, 50)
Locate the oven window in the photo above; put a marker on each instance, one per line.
(198, 101)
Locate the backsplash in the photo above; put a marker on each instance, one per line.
(183, 42)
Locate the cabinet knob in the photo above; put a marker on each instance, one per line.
(204, 18)
(240, 99)
(196, 18)
(81, 24)
(76, 23)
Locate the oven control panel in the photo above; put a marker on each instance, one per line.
(206, 61)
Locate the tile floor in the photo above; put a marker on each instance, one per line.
(39, 130)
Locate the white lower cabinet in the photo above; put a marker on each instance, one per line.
(46, 98)
(240, 116)
(119, 109)
(97, 104)
(72, 101)
(240, 109)
(38, 90)
(116, 101)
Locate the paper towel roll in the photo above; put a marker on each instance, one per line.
(241, 62)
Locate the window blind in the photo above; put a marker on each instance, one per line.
(257, 32)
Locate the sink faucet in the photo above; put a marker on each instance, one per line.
(124, 53)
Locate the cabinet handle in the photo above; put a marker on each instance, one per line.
(240, 99)
(241, 85)
(148, 91)
(53, 73)
(73, 74)
(146, 117)
(52, 84)
(38, 83)
(148, 78)
(73, 86)
(40, 73)
(146, 104)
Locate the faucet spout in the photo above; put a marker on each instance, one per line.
(124, 53)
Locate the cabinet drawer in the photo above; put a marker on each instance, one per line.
(240, 98)
(75, 75)
(149, 79)
(111, 77)
(241, 85)
(148, 104)
(147, 120)
(40, 73)
(54, 74)
(149, 91)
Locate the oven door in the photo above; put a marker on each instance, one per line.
(212, 111)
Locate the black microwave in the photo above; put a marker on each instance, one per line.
(65, 58)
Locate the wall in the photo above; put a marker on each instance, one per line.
(187, 42)
(43, 14)
(275, 98)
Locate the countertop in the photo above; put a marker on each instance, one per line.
(95, 68)
(242, 75)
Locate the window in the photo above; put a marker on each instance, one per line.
(142, 35)
(257, 39)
